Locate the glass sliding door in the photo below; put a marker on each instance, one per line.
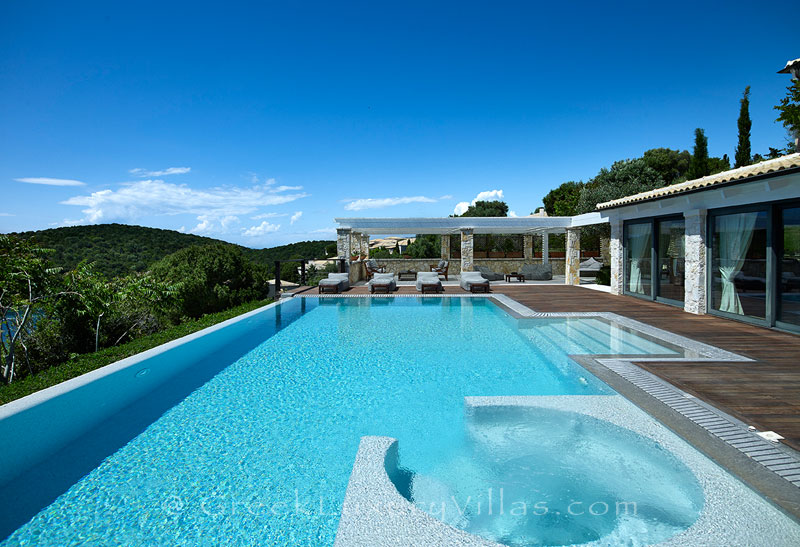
(789, 267)
(638, 258)
(670, 258)
(739, 263)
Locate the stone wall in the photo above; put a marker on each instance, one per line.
(397, 265)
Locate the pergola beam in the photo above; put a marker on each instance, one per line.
(478, 225)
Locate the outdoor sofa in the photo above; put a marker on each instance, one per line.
(429, 278)
(537, 272)
(382, 281)
(590, 267)
(335, 282)
(489, 274)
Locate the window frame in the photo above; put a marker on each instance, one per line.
(655, 279)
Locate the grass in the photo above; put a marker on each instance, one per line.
(87, 362)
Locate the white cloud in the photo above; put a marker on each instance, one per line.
(260, 230)
(156, 197)
(487, 195)
(513, 214)
(296, 217)
(269, 215)
(139, 172)
(376, 203)
(51, 182)
(7, 215)
(278, 189)
(210, 224)
(461, 208)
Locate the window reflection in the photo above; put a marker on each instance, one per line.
(671, 259)
(739, 263)
(789, 280)
(638, 243)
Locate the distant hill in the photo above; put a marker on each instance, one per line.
(119, 249)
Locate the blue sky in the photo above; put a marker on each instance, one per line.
(259, 123)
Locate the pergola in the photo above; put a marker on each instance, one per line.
(353, 234)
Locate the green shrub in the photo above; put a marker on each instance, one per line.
(603, 276)
(211, 278)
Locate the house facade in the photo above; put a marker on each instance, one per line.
(727, 244)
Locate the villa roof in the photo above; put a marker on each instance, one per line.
(784, 163)
(480, 225)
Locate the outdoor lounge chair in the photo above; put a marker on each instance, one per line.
(468, 279)
(382, 282)
(590, 267)
(429, 281)
(489, 274)
(441, 268)
(373, 268)
(537, 272)
(335, 283)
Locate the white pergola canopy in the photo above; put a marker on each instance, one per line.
(479, 225)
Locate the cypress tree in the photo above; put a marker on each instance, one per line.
(699, 166)
(742, 157)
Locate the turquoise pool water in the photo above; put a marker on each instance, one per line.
(255, 446)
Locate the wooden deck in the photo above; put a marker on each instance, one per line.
(764, 393)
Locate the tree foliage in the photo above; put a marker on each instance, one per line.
(699, 166)
(487, 209)
(425, 246)
(26, 283)
(743, 153)
(119, 249)
(789, 109)
(563, 201)
(211, 278)
(624, 178)
(672, 165)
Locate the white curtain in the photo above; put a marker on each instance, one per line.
(735, 233)
(639, 244)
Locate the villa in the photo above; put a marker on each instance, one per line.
(542, 409)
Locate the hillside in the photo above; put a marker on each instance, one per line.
(119, 249)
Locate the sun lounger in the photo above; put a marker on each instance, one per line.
(382, 282)
(335, 283)
(428, 281)
(472, 278)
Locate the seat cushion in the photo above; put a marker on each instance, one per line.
(339, 276)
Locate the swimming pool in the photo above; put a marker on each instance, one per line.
(255, 441)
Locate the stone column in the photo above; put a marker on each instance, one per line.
(545, 248)
(467, 263)
(365, 245)
(694, 289)
(573, 259)
(527, 246)
(605, 250)
(343, 243)
(446, 247)
(615, 249)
